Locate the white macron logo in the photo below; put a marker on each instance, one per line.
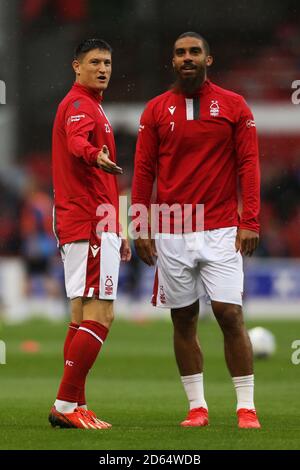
(95, 250)
(172, 109)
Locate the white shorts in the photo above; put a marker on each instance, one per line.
(195, 265)
(92, 267)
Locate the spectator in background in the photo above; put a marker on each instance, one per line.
(38, 245)
(9, 217)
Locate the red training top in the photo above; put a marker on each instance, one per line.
(200, 148)
(80, 186)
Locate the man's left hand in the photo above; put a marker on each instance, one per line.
(246, 241)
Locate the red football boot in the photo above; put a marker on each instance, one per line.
(77, 419)
(92, 415)
(196, 417)
(247, 419)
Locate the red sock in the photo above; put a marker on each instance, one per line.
(80, 357)
(72, 330)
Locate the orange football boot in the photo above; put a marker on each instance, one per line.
(92, 415)
(196, 417)
(247, 419)
(77, 419)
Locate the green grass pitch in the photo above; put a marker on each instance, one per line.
(135, 386)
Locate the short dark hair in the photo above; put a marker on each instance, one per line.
(90, 44)
(192, 34)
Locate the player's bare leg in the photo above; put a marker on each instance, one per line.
(189, 359)
(98, 310)
(187, 349)
(76, 310)
(239, 359)
(237, 346)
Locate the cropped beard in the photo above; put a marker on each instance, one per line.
(189, 85)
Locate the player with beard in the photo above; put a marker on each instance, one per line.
(199, 141)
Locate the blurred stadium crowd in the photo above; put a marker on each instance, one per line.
(256, 52)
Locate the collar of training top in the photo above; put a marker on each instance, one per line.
(88, 91)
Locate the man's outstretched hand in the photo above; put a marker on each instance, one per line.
(246, 241)
(106, 164)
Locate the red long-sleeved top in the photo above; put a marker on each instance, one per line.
(80, 186)
(200, 149)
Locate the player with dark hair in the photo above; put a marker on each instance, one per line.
(199, 141)
(192, 34)
(90, 45)
(85, 189)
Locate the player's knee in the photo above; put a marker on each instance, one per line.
(109, 318)
(230, 318)
(106, 316)
(186, 314)
(76, 310)
(185, 322)
(99, 310)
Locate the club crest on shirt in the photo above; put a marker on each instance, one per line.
(250, 123)
(214, 108)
